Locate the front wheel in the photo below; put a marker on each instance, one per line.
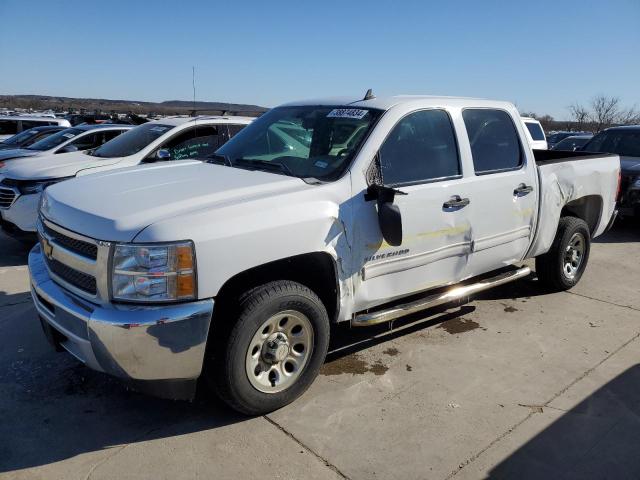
(563, 265)
(274, 351)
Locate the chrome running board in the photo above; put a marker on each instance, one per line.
(456, 293)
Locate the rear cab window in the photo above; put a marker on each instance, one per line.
(495, 143)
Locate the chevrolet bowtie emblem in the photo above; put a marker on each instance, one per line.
(47, 248)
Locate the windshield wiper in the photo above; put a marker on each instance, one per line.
(219, 159)
(265, 165)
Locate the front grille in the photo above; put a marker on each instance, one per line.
(80, 280)
(7, 197)
(85, 249)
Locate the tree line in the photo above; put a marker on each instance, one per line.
(601, 112)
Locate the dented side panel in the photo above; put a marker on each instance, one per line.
(571, 181)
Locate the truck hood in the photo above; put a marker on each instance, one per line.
(7, 154)
(59, 165)
(630, 165)
(117, 205)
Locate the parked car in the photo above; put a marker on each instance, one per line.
(535, 133)
(623, 141)
(167, 139)
(29, 137)
(235, 268)
(88, 118)
(72, 139)
(12, 124)
(572, 143)
(556, 137)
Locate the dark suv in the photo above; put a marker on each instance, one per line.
(624, 141)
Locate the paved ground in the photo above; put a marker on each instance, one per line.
(517, 384)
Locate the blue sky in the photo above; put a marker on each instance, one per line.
(542, 55)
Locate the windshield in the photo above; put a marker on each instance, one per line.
(570, 143)
(21, 137)
(306, 142)
(621, 142)
(54, 140)
(131, 141)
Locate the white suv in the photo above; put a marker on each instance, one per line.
(535, 134)
(176, 138)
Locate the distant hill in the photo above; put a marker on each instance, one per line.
(170, 107)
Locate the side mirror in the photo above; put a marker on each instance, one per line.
(389, 216)
(163, 155)
(69, 149)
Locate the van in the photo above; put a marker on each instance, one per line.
(11, 124)
(535, 133)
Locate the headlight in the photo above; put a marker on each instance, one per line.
(153, 272)
(28, 188)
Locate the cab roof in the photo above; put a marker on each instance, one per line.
(116, 126)
(181, 120)
(385, 103)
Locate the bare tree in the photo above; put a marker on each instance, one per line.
(604, 111)
(579, 114)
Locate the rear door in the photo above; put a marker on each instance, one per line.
(503, 193)
(420, 157)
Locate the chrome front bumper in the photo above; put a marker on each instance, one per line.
(138, 343)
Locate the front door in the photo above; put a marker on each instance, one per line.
(420, 157)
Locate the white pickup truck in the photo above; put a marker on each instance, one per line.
(324, 211)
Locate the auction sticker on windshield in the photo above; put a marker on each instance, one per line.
(347, 113)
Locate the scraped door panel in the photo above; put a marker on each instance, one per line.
(434, 250)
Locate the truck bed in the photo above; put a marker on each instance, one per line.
(545, 157)
(584, 182)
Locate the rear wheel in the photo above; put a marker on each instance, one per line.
(274, 351)
(563, 265)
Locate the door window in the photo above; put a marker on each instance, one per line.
(495, 145)
(421, 148)
(8, 127)
(198, 142)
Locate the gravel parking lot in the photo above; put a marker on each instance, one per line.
(516, 384)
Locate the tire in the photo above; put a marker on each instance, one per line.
(247, 383)
(555, 269)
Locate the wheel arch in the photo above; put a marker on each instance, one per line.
(317, 270)
(588, 208)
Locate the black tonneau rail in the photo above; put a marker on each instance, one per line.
(556, 156)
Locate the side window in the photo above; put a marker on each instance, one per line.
(198, 142)
(8, 127)
(535, 130)
(88, 141)
(421, 147)
(234, 130)
(27, 124)
(495, 145)
(111, 134)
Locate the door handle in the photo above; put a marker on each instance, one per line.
(522, 190)
(456, 202)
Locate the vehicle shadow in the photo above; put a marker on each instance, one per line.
(623, 231)
(598, 438)
(54, 408)
(12, 252)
